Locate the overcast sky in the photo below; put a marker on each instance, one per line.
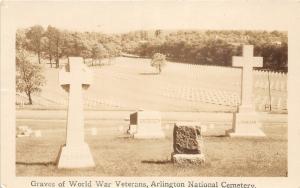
(123, 16)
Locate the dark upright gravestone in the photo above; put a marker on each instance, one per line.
(187, 144)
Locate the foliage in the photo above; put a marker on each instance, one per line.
(57, 42)
(158, 61)
(21, 39)
(211, 47)
(54, 44)
(190, 46)
(34, 36)
(29, 77)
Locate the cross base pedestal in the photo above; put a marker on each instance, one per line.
(245, 124)
(78, 156)
(243, 109)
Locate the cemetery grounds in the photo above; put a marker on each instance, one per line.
(204, 95)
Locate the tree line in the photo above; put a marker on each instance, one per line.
(213, 47)
(208, 47)
(52, 44)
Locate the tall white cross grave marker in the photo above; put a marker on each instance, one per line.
(75, 153)
(245, 120)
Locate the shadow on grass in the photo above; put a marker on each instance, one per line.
(157, 161)
(125, 136)
(50, 163)
(148, 73)
(216, 136)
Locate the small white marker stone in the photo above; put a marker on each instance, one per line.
(211, 125)
(203, 128)
(37, 133)
(94, 131)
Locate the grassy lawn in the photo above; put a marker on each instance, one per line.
(180, 87)
(116, 154)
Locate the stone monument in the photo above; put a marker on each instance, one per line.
(146, 125)
(187, 145)
(75, 153)
(245, 121)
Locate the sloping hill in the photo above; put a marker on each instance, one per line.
(131, 84)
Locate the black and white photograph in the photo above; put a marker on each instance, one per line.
(137, 89)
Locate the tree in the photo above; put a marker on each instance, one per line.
(34, 36)
(55, 39)
(158, 33)
(29, 77)
(47, 49)
(112, 50)
(86, 49)
(86, 52)
(66, 44)
(20, 39)
(57, 48)
(158, 61)
(98, 52)
(52, 35)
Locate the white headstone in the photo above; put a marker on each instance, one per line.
(75, 153)
(283, 86)
(94, 131)
(245, 120)
(147, 124)
(37, 133)
(277, 85)
(203, 128)
(23, 131)
(22, 103)
(280, 103)
(272, 85)
(274, 102)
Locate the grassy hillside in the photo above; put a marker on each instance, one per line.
(131, 84)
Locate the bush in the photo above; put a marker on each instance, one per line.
(158, 61)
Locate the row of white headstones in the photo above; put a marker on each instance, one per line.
(190, 94)
(262, 103)
(262, 78)
(215, 96)
(212, 96)
(76, 153)
(277, 81)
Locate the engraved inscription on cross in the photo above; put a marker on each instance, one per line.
(247, 62)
